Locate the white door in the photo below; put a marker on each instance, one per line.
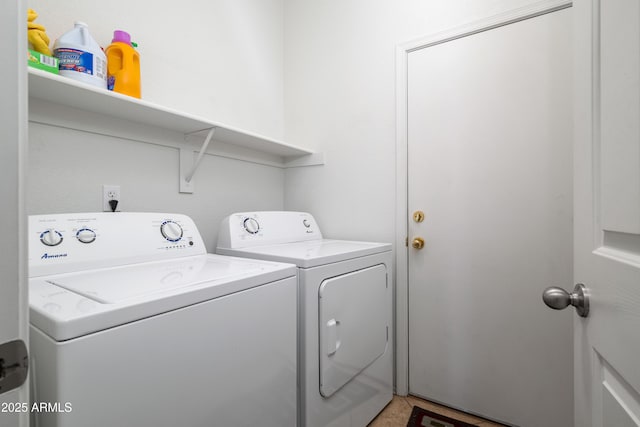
(489, 163)
(607, 212)
(13, 123)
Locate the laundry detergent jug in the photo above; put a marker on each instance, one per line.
(80, 56)
(123, 65)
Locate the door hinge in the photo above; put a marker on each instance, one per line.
(406, 241)
(14, 365)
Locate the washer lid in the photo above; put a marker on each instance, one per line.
(311, 253)
(73, 304)
(144, 281)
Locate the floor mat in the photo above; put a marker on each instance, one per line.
(423, 418)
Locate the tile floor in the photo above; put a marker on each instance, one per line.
(397, 413)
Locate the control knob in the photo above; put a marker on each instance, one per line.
(51, 237)
(171, 230)
(86, 235)
(251, 225)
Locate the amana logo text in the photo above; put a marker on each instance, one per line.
(47, 256)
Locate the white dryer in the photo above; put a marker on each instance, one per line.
(134, 324)
(344, 318)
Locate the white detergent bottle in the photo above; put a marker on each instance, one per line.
(80, 56)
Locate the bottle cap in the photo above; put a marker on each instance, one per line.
(122, 37)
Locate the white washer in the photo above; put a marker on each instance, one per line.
(134, 324)
(345, 299)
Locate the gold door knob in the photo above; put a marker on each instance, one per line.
(417, 243)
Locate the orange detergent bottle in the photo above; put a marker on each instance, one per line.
(123, 65)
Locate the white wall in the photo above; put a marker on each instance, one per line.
(340, 99)
(68, 169)
(220, 59)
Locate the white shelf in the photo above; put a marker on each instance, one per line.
(72, 94)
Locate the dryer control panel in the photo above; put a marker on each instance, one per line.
(247, 229)
(61, 243)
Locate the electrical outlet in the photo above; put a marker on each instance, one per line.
(110, 192)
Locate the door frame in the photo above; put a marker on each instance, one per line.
(402, 214)
(14, 306)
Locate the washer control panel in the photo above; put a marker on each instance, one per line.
(61, 243)
(246, 229)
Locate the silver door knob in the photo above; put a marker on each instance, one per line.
(558, 299)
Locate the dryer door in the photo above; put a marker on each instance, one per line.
(353, 325)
